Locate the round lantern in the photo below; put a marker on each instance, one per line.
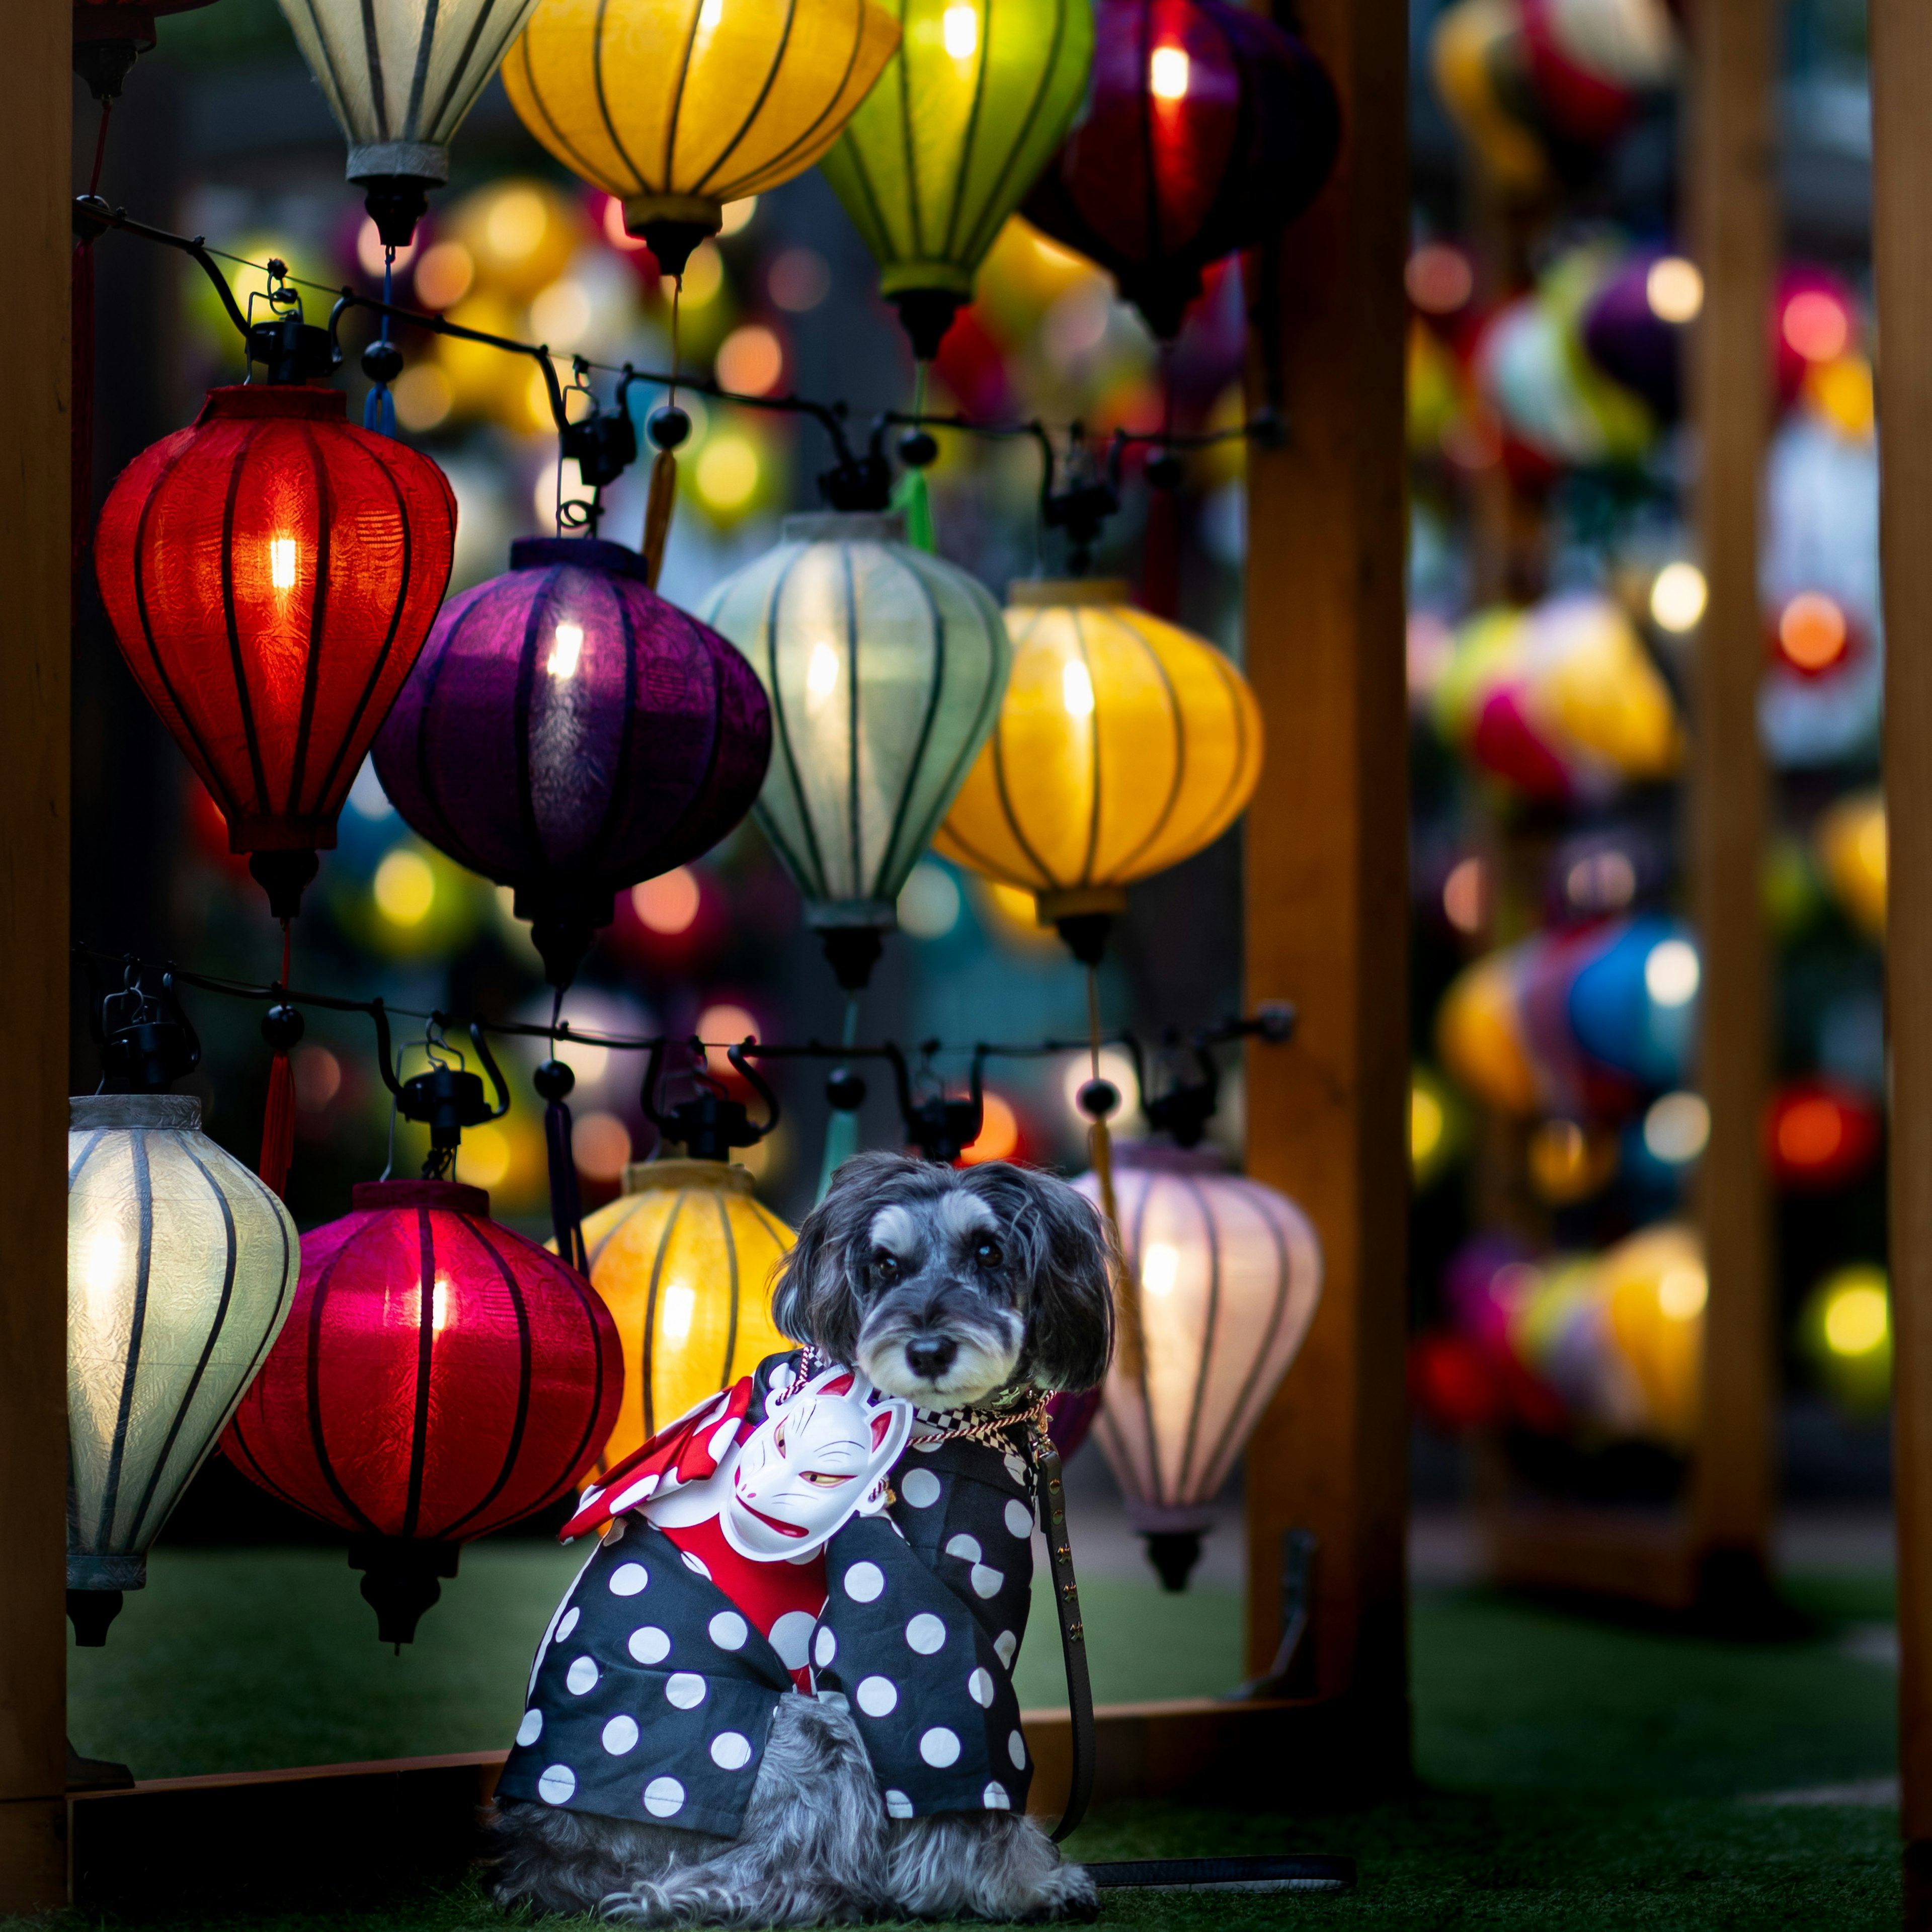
(1633, 326)
(441, 1377)
(568, 734)
(966, 114)
(1226, 1274)
(399, 76)
(270, 573)
(885, 668)
(1632, 1004)
(1851, 843)
(683, 1259)
(1125, 744)
(1206, 128)
(677, 106)
(1655, 1286)
(1845, 1328)
(1820, 1135)
(180, 1269)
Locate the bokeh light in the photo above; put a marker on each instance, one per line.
(1678, 597)
(668, 904)
(1674, 288)
(999, 1132)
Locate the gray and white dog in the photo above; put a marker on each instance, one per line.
(969, 1289)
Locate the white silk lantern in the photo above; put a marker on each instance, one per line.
(180, 1267)
(1224, 1274)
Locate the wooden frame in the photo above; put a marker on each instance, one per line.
(1711, 1554)
(35, 113)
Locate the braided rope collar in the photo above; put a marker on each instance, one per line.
(987, 1424)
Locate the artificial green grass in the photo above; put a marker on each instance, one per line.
(1570, 1773)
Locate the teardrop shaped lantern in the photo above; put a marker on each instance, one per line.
(1124, 744)
(1207, 127)
(966, 114)
(399, 76)
(1226, 1274)
(684, 1259)
(568, 734)
(441, 1377)
(270, 573)
(885, 668)
(677, 106)
(181, 1269)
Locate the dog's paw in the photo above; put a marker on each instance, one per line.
(1067, 1893)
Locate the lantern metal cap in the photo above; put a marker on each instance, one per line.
(654, 1177)
(1079, 901)
(370, 1196)
(587, 552)
(1033, 593)
(177, 1113)
(418, 160)
(306, 402)
(845, 526)
(837, 915)
(119, 1570)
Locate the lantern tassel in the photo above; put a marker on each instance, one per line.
(657, 513)
(281, 1028)
(1100, 1145)
(554, 1080)
(910, 495)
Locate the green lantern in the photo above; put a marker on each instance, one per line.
(885, 668)
(945, 147)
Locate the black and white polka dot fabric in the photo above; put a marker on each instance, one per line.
(653, 1694)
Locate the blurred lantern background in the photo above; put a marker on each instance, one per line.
(1556, 595)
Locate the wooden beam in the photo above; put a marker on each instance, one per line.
(35, 115)
(1327, 877)
(1901, 71)
(1734, 228)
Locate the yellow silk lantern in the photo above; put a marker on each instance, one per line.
(1850, 838)
(1124, 744)
(677, 106)
(971, 108)
(1655, 1286)
(683, 1259)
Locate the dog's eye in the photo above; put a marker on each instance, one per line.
(886, 1264)
(987, 1255)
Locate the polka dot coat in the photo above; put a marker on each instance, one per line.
(653, 1695)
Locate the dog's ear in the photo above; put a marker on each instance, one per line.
(816, 1296)
(1064, 1244)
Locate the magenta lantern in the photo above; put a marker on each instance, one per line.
(568, 732)
(438, 1377)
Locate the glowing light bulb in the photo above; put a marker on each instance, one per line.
(1167, 73)
(709, 15)
(282, 563)
(1076, 690)
(566, 647)
(1856, 1320)
(439, 1305)
(1671, 973)
(680, 1305)
(821, 673)
(1160, 1266)
(960, 24)
(1677, 1129)
(1678, 597)
(1674, 289)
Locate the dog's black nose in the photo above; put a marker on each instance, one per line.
(930, 1356)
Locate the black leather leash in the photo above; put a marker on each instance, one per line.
(1072, 1637)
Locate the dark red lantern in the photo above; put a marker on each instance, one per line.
(569, 733)
(438, 1377)
(271, 573)
(1206, 128)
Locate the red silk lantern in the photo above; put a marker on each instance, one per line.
(420, 1421)
(1206, 128)
(271, 573)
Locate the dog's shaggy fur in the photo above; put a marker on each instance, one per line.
(950, 1288)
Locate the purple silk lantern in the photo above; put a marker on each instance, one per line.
(1629, 341)
(568, 732)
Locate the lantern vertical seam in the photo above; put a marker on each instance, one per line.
(372, 46)
(434, 120)
(1284, 1280)
(1120, 866)
(999, 665)
(210, 769)
(87, 1154)
(215, 1327)
(419, 80)
(1047, 880)
(312, 1390)
(425, 1361)
(677, 93)
(137, 1322)
(781, 728)
(318, 617)
(519, 715)
(731, 1256)
(1224, 672)
(700, 804)
(245, 703)
(433, 663)
(589, 1301)
(979, 241)
(73, 1529)
(731, 148)
(331, 79)
(609, 1235)
(965, 165)
(1094, 740)
(647, 1354)
(786, 155)
(888, 857)
(913, 202)
(1199, 1198)
(627, 731)
(1132, 1248)
(558, 139)
(271, 1330)
(855, 828)
(886, 244)
(381, 666)
(520, 1422)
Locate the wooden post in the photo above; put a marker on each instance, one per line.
(1734, 236)
(1901, 71)
(1326, 879)
(35, 110)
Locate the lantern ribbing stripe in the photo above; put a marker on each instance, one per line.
(312, 1371)
(514, 1442)
(144, 1196)
(425, 1360)
(731, 1254)
(651, 1310)
(1180, 779)
(1231, 1432)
